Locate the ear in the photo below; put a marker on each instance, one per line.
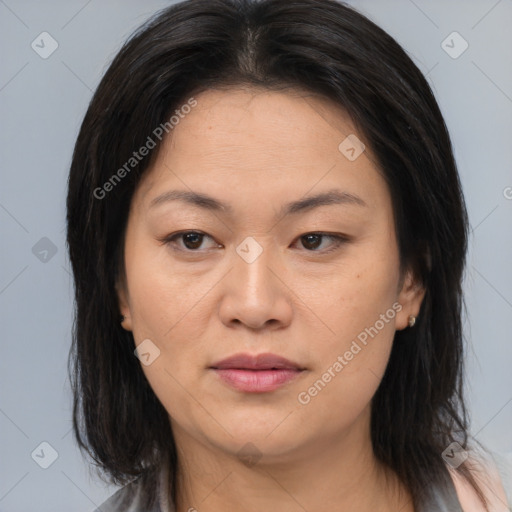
(124, 304)
(410, 297)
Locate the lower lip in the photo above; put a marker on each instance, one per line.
(256, 381)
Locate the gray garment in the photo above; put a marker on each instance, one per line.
(442, 498)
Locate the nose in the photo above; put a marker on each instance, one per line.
(256, 294)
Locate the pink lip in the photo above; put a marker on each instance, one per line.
(256, 374)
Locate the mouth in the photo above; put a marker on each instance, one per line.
(256, 374)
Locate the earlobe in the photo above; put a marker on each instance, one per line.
(126, 322)
(124, 307)
(410, 297)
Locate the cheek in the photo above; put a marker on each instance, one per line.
(165, 308)
(165, 311)
(348, 376)
(162, 299)
(359, 305)
(356, 293)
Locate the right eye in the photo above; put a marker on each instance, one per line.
(190, 240)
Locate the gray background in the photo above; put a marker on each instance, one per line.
(42, 102)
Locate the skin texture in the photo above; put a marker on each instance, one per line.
(256, 150)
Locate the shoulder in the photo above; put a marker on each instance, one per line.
(503, 463)
(129, 497)
(493, 473)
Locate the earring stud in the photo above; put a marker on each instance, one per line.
(412, 320)
(123, 318)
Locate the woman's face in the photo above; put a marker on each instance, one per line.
(268, 168)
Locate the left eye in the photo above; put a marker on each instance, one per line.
(312, 241)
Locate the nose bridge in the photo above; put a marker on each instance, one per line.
(254, 295)
(254, 257)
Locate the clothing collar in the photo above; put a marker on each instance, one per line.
(164, 499)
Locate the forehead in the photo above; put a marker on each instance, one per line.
(246, 119)
(251, 140)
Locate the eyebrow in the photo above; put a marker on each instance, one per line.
(206, 202)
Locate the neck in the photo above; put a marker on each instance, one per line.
(335, 473)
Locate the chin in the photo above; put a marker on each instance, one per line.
(254, 437)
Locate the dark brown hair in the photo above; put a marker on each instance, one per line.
(324, 47)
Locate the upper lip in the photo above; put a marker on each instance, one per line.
(255, 362)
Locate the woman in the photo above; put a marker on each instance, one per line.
(265, 191)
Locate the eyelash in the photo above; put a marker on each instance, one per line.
(338, 240)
